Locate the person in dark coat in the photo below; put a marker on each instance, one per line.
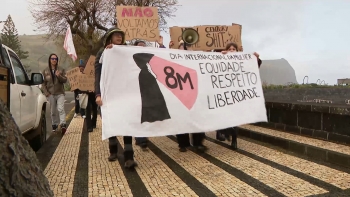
(91, 108)
(77, 108)
(143, 141)
(197, 138)
(114, 36)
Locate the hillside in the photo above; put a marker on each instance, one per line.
(277, 72)
(39, 49)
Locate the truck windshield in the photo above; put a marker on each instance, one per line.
(6, 58)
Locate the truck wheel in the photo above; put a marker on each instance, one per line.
(41, 130)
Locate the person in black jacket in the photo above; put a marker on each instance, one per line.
(197, 138)
(91, 108)
(113, 36)
(143, 141)
(77, 109)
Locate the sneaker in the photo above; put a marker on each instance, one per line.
(84, 116)
(63, 129)
(75, 115)
(54, 128)
(183, 149)
(90, 130)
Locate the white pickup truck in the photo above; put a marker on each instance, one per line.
(27, 104)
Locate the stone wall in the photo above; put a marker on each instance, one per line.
(338, 95)
(328, 122)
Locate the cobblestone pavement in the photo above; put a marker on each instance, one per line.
(79, 167)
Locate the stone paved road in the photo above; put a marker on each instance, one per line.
(79, 167)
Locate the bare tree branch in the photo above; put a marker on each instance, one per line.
(89, 19)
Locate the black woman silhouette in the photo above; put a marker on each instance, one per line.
(154, 107)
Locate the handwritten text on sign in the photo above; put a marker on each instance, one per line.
(138, 22)
(78, 80)
(166, 92)
(73, 78)
(90, 66)
(210, 37)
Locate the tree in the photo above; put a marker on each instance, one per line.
(89, 19)
(20, 170)
(9, 36)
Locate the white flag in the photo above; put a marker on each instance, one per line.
(69, 45)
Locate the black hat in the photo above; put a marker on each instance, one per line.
(111, 31)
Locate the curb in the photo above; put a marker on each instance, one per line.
(69, 116)
(312, 133)
(298, 148)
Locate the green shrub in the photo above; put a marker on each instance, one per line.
(310, 85)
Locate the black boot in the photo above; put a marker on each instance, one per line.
(129, 159)
(183, 149)
(201, 148)
(113, 151)
(234, 139)
(219, 136)
(144, 146)
(234, 144)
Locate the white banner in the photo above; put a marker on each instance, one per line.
(156, 92)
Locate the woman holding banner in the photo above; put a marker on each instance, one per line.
(113, 36)
(232, 48)
(143, 141)
(197, 138)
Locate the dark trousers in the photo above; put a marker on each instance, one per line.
(231, 131)
(128, 150)
(91, 108)
(141, 140)
(77, 104)
(184, 139)
(197, 139)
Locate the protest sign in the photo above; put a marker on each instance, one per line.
(139, 22)
(73, 78)
(78, 80)
(86, 82)
(210, 36)
(90, 66)
(158, 92)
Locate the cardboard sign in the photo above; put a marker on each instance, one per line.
(90, 66)
(138, 22)
(73, 78)
(86, 82)
(167, 92)
(210, 36)
(78, 80)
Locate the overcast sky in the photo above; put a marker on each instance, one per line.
(312, 35)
